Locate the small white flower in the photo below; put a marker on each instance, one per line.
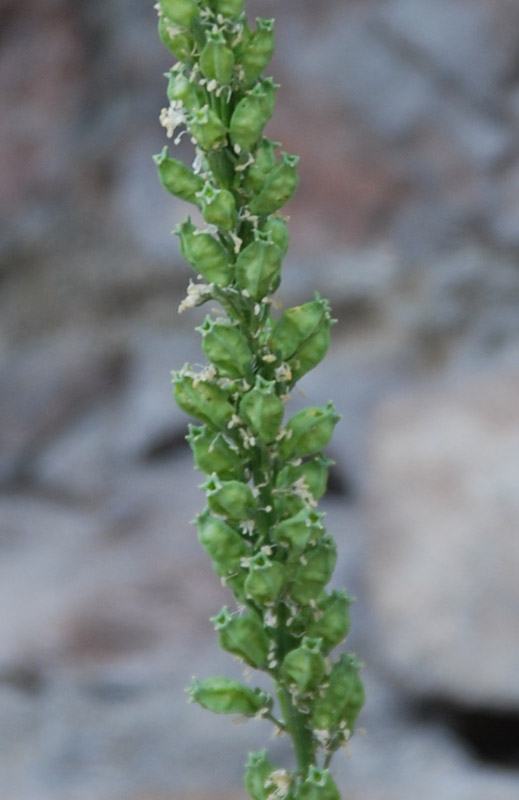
(172, 117)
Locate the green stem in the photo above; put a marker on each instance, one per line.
(301, 736)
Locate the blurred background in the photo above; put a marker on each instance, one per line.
(405, 114)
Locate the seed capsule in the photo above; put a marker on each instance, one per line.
(207, 128)
(343, 698)
(227, 696)
(258, 267)
(277, 229)
(308, 431)
(311, 352)
(181, 12)
(311, 575)
(233, 499)
(179, 42)
(213, 453)
(226, 347)
(249, 118)
(263, 410)
(178, 178)
(265, 580)
(181, 88)
(334, 623)
(314, 472)
(230, 8)
(205, 254)
(297, 531)
(218, 206)
(205, 401)
(298, 324)
(319, 785)
(305, 665)
(258, 770)
(243, 636)
(264, 161)
(255, 56)
(280, 186)
(216, 59)
(222, 543)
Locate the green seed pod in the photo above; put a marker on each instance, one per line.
(288, 505)
(181, 88)
(180, 12)
(222, 543)
(280, 186)
(258, 770)
(179, 42)
(266, 90)
(342, 699)
(296, 531)
(265, 580)
(263, 410)
(314, 473)
(207, 128)
(216, 60)
(205, 254)
(218, 206)
(243, 636)
(213, 453)
(333, 619)
(177, 178)
(309, 354)
(258, 51)
(205, 401)
(298, 324)
(319, 785)
(247, 121)
(304, 666)
(226, 347)
(233, 499)
(308, 431)
(313, 571)
(258, 267)
(277, 228)
(264, 161)
(230, 8)
(226, 696)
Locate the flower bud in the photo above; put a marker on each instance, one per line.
(205, 401)
(226, 347)
(216, 59)
(181, 88)
(258, 769)
(249, 118)
(243, 636)
(313, 571)
(314, 473)
(263, 410)
(230, 8)
(218, 206)
(180, 12)
(265, 580)
(280, 186)
(177, 178)
(227, 696)
(308, 431)
(213, 453)
(222, 543)
(258, 267)
(319, 785)
(179, 42)
(233, 499)
(343, 698)
(264, 162)
(297, 324)
(309, 354)
(296, 531)
(207, 128)
(258, 50)
(205, 254)
(277, 228)
(333, 619)
(304, 666)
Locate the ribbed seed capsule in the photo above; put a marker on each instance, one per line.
(207, 128)
(230, 8)
(266, 89)
(205, 254)
(177, 178)
(280, 186)
(233, 499)
(226, 347)
(304, 667)
(311, 352)
(342, 699)
(218, 206)
(179, 42)
(263, 410)
(277, 229)
(314, 473)
(265, 580)
(222, 543)
(313, 572)
(181, 88)
(180, 12)
(333, 619)
(264, 161)
(226, 696)
(308, 431)
(213, 453)
(319, 785)
(297, 324)
(258, 267)
(249, 119)
(296, 531)
(243, 636)
(216, 59)
(205, 401)
(258, 51)
(258, 770)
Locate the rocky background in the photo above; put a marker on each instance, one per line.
(406, 114)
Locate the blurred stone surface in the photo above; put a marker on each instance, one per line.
(443, 553)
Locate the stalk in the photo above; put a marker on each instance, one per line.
(265, 472)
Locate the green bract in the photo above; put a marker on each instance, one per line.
(264, 473)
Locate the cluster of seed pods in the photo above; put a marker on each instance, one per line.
(265, 469)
